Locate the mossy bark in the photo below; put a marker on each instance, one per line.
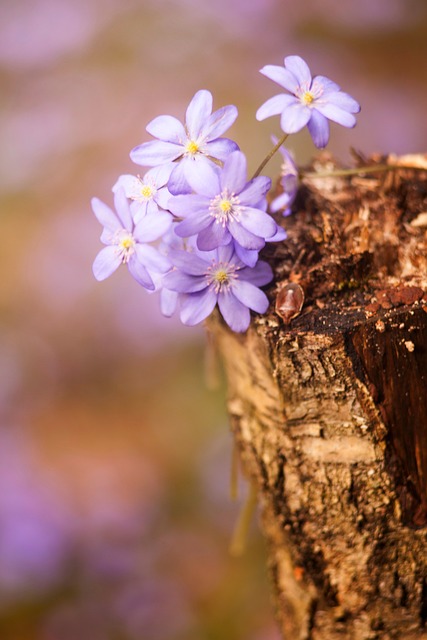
(330, 411)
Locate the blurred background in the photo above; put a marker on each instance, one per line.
(115, 516)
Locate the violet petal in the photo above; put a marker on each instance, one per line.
(197, 306)
(167, 129)
(213, 236)
(219, 122)
(123, 210)
(106, 262)
(168, 302)
(294, 117)
(336, 114)
(247, 256)
(140, 273)
(155, 152)
(319, 129)
(184, 283)
(282, 76)
(244, 237)
(105, 215)
(151, 258)
(198, 111)
(235, 313)
(178, 182)
(193, 224)
(188, 262)
(186, 205)
(258, 222)
(221, 148)
(234, 174)
(325, 84)
(300, 69)
(260, 275)
(275, 105)
(255, 191)
(151, 227)
(249, 295)
(202, 176)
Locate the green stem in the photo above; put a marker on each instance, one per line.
(353, 172)
(270, 155)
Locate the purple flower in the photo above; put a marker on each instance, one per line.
(289, 182)
(127, 242)
(148, 193)
(193, 146)
(226, 208)
(218, 277)
(314, 101)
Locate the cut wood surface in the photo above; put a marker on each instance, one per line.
(329, 409)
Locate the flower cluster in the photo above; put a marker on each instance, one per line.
(193, 225)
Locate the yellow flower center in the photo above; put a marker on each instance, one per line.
(147, 191)
(192, 147)
(221, 276)
(125, 246)
(225, 206)
(127, 243)
(307, 98)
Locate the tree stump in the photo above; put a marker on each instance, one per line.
(329, 411)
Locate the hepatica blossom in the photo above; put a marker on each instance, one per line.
(311, 101)
(127, 243)
(148, 194)
(193, 146)
(218, 277)
(193, 225)
(225, 207)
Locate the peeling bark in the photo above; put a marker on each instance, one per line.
(330, 411)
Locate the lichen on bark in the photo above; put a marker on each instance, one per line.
(330, 411)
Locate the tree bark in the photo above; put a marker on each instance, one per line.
(329, 412)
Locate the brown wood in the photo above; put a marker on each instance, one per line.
(330, 410)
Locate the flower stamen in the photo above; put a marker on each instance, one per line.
(225, 207)
(192, 148)
(307, 98)
(220, 276)
(147, 192)
(125, 245)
